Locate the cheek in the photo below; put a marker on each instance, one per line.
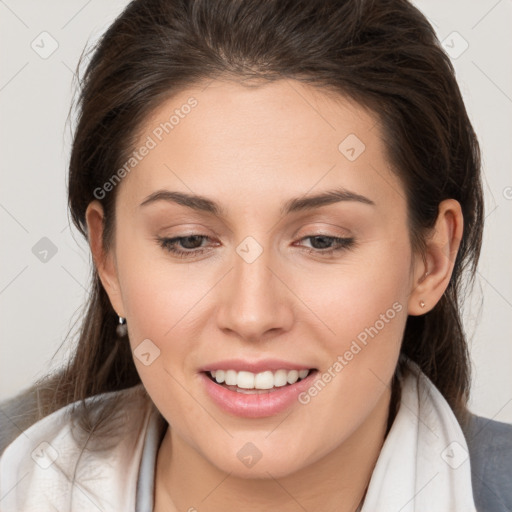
(162, 303)
(158, 294)
(364, 308)
(364, 297)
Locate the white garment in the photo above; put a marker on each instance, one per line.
(423, 465)
(45, 470)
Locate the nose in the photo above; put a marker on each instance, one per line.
(255, 302)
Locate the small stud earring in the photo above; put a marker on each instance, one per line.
(422, 304)
(121, 329)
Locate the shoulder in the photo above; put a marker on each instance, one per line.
(21, 412)
(490, 451)
(16, 415)
(96, 443)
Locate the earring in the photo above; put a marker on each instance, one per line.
(121, 329)
(422, 304)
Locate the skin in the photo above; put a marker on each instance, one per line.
(251, 149)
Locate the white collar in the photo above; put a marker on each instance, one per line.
(424, 462)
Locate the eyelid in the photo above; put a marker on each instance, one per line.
(319, 231)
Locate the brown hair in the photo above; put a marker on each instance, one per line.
(381, 53)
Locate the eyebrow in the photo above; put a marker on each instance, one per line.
(293, 205)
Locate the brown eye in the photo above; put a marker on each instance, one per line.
(322, 244)
(191, 245)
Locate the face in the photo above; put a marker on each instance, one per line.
(268, 280)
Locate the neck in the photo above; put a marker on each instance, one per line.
(186, 480)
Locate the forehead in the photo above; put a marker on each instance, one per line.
(237, 140)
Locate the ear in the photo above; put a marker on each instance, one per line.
(442, 246)
(105, 262)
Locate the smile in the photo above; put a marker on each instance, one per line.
(266, 380)
(256, 395)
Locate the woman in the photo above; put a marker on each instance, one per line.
(281, 199)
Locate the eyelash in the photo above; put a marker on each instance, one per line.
(169, 244)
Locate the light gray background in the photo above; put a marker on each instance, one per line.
(39, 301)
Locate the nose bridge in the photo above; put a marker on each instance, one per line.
(254, 300)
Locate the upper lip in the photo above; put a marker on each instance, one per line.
(254, 366)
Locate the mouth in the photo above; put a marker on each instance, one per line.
(256, 395)
(258, 383)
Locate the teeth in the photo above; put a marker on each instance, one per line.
(262, 380)
(230, 378)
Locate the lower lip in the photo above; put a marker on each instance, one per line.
(256, 405)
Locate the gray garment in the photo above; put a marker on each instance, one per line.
(489, 443)
(490, 455)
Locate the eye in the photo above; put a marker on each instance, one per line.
(325, 243)
(191, 245)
